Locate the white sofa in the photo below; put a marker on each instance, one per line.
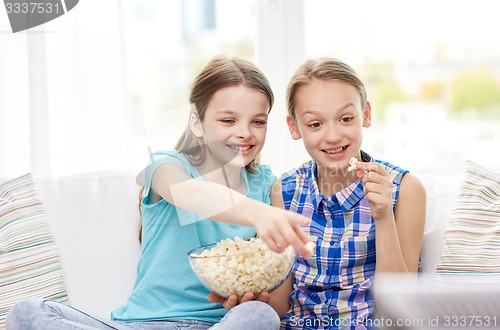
(95, 217)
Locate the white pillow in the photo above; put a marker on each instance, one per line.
(29, 259)
(471, 247)
(94, 218)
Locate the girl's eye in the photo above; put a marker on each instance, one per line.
(228, 121)
(346, 119)
(259, 122)
(314, 125)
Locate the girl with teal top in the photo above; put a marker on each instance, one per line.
(211, 187)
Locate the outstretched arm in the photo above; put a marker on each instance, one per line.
(279, 299)
(278, 228)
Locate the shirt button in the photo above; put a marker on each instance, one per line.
(331, 243)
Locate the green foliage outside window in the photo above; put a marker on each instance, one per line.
(382, 87)
(476, 90)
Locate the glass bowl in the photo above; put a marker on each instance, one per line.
(241, 265)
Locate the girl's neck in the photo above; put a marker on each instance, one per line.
(333, 180)
(227, 175)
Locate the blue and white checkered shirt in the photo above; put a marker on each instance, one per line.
(332, 289)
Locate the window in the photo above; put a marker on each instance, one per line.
(92, 89)
(168, 42)
(432, 71)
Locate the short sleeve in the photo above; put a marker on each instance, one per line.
(163, 157)
(170, 156)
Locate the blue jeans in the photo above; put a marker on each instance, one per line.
(35, 313)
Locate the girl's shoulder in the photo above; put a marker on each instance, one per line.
(158, 158)
(262, 172)
(169, 154)
(395, 172)
(298, 173)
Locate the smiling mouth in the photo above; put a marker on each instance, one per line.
(240, 148)
(334, 151)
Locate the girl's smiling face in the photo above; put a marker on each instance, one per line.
(329, 118)
(234, 125)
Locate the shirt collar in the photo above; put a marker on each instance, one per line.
(315, 193)
(347, 198)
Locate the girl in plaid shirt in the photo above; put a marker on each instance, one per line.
(364, 222)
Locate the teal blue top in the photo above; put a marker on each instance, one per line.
(166, 286)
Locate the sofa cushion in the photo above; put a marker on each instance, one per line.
(471, 246)
(94, 218)
(29, 259)
(441, 193)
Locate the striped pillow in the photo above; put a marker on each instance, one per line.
(471, 248)
(29, 260)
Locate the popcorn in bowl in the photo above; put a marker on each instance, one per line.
(236, 266)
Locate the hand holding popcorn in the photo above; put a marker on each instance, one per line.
(234, 300)
(352, 164)
(378, 189)
(279, 228)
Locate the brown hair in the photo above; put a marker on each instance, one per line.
(323, 69)
(219, 73)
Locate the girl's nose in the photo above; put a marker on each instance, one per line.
(243, 131)
(332, 134)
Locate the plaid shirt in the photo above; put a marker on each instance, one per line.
(331, 290)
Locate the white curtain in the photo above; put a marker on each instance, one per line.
(63, 94)
(92, 89)
(14, 101)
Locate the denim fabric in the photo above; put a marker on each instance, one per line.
(40, 314)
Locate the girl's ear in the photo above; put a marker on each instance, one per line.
(292, 126)
(195, 125)
(367, 115)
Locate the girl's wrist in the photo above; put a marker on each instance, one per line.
(387, 221)
(249, 212)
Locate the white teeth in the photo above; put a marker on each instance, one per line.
(336, 151)
(239, 148)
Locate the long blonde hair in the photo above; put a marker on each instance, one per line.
(219, 73)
